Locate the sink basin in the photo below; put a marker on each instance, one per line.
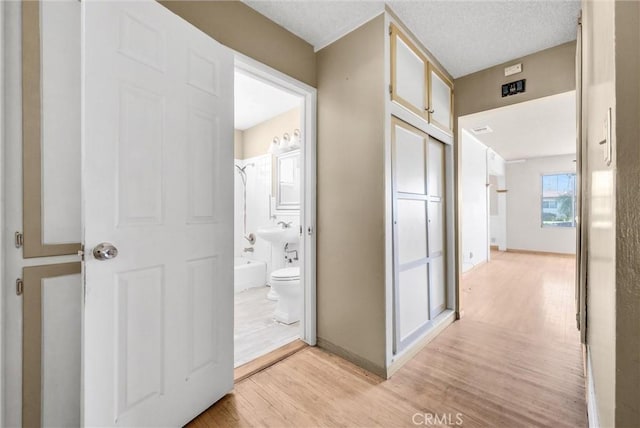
(279, 235)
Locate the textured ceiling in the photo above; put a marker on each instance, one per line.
(531, 129)
(465, 36)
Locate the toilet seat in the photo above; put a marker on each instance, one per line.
(286, 274)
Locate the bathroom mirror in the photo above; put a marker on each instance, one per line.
(287, 181)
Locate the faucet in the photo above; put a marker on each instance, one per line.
(248, 250)
(285, 225)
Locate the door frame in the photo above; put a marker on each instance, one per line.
(266, 74)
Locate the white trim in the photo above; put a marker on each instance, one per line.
(273, 77)
(438, 324)
(2, 206)
(420, 123)
(388, 204)
(592, 407)
(337, 35)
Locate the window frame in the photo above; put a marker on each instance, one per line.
(542, 198)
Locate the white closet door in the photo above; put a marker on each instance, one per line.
(440, 104)
(437, 226)
(157, 181)
(411, 252)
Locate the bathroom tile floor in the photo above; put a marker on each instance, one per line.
(255, 331)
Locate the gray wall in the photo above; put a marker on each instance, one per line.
(241, 28)
(611, 63)
(351, 198)
(548, 72)
(627, 128)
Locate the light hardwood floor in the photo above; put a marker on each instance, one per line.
(513, 361)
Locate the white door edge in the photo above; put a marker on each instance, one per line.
(287, 83)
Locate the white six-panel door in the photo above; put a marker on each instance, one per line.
(418, 231)
(158, 185)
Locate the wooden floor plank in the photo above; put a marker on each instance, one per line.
(514, 360)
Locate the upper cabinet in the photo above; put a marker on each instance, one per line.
(418, 85)
(409, 78)
(440, 100)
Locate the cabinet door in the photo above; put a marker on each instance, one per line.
(409, 82)
(440, 100)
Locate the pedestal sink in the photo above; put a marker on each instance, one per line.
(279, 237)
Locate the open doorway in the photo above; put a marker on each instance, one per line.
(518, 216)
(517, 179)
(274, 284)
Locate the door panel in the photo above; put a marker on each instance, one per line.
(440, 105)
(412, 231)
(158, 185)
(51, 345)
(437, 290)
(410, 154)
(437, 228)
(408, 74)
(410, 234)
(414, 300)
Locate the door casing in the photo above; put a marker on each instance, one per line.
(286, 83)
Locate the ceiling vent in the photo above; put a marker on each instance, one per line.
(482, 130)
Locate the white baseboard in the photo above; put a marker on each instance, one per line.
(592, 408)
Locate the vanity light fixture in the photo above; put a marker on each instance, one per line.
(286, 143)
(275, 146)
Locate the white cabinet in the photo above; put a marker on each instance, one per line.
(417, 85)
(440, 100)
(409, 68)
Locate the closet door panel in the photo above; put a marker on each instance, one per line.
(436, 228)
(410, 165)
(412, 231)
(413, 300)
(437, 293)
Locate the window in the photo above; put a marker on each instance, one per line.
(559, 200)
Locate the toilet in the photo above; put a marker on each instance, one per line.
(286, 283)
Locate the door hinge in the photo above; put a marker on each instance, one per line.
(390, 29)
(391, 89)
(19, 286)
(310, 230)
(19, 239)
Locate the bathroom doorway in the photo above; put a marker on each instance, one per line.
(274, 212)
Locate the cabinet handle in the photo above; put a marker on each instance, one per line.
(431, 111)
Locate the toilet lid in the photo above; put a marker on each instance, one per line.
(286, 273)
